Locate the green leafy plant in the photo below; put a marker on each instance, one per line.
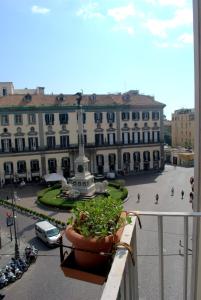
(98, 218)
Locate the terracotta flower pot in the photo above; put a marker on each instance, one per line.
(88, 260)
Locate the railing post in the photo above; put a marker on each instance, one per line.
(185, 277)
(160, 250)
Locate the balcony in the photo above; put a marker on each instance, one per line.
(162, 269)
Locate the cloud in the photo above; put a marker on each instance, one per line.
(177, 3)
(186, 38)
(159, 27)
(121, 13)
(89, 11)
(121, 27)
(40, 10)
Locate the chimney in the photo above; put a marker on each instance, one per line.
(40, 90)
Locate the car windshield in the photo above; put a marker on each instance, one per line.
(52, 232)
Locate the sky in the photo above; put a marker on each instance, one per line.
(103, 46)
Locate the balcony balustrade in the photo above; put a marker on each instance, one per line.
(122, 282)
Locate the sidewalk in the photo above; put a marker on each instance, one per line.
(8, 248)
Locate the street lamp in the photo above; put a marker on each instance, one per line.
(14, 197)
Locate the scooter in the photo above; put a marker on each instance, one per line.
(31, 254)
(9, 274)
(3, 280)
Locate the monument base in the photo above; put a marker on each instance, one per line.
(85, 185)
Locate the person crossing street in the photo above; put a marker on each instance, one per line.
(157, 198)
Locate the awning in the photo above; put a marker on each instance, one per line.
(53, 177)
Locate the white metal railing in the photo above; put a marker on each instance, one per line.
(122, 282)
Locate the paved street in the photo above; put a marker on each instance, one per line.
(45, 280)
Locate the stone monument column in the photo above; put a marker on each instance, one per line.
(83, 180)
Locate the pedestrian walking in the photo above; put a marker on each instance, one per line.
(157, 198)
(191, 197)
(182, 194)
(172, 191)
(138, 198)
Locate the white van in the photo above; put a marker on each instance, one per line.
(47, 232)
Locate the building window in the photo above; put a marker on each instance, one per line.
(21, 167)
(49, 119)
(4, 120)
(135, 116)
(33, 143)
(126, 138)
(98, 117)
(111, 138)
(110, 117)
(5, 130)
(156, 136)
(8, 168)
(34, 165)
(136, 137)
(63, 118)
(125, 116)
(99, 139)
(65, 162)
(52, 165)
(155, 115)
(64, 141)
(112, 161)
(6, 145)
(31, 118)
(146, 156)
(83, 118)
(156, 155)
(136, 157)
(145, 116)
(126, 157)
(19, 144)
(18, 119)
(51, 142)
(146, 137)
(100, 160)
(5, 92)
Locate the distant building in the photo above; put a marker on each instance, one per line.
(167, 132)
(38, 133)
(183, 126)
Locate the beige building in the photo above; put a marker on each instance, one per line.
(38, 132)
(183, 126)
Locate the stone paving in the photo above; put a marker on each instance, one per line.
(8, 248)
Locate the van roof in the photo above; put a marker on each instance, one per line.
(45, 225)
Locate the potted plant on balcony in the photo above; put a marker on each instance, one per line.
(94, 228)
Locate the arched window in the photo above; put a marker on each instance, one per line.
(146, 156)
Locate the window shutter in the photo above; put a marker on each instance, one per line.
(158, 136)
(47, 119)
(16, 144)
(95, 117)
(138, 137)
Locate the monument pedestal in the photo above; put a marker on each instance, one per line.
(83, 181)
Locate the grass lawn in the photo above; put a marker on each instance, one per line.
(50, 197)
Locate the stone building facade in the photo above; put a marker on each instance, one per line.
(38, 134)
(183, 127)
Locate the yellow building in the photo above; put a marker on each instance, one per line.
(38, 132)
(183, 126)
